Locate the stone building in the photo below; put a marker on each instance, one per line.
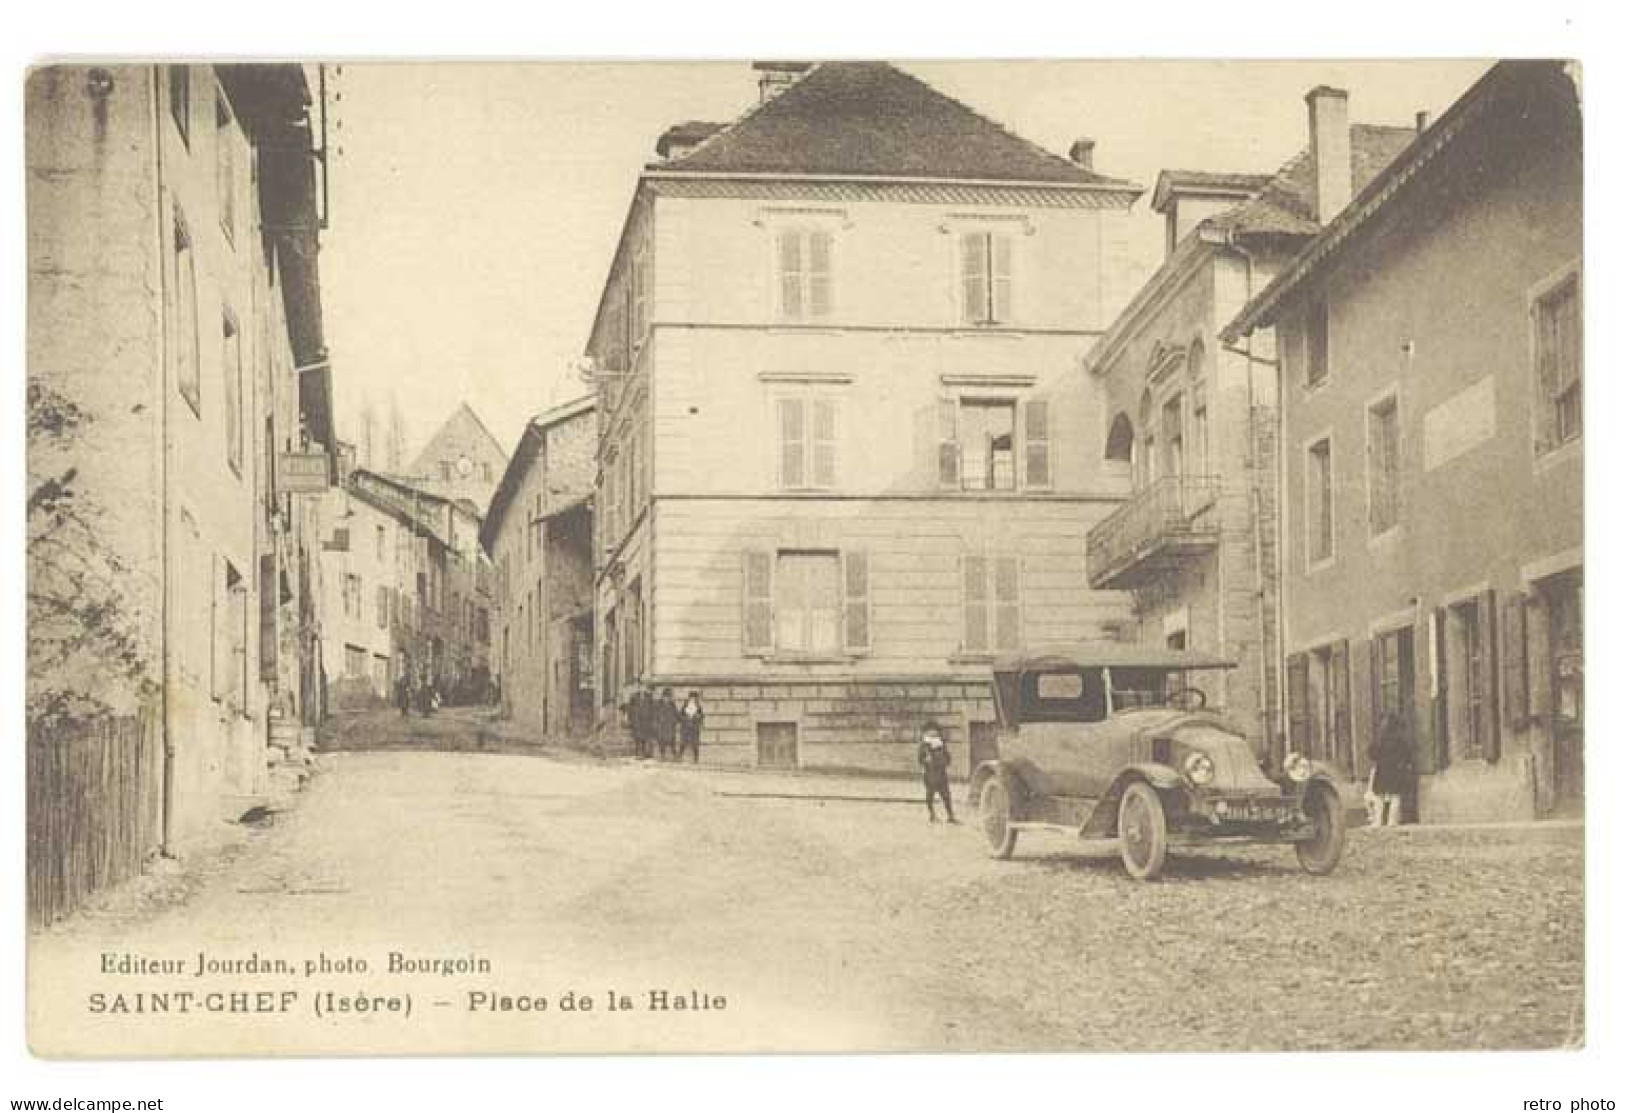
(539, 537)
(440, 580)
(1194, 421)
(177, 369)
(1432, 526)
(463, 460)
(370, 558)
(847, 450)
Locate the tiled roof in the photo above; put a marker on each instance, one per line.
(1540, 95)
(870, 119)
(1174, 181)
(1284, 205)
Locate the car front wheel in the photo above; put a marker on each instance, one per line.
(1319, 853)
(1142, 832)
(995, 809)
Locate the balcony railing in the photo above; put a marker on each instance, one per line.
(1158, 528)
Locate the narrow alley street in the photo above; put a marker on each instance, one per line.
(809, 913)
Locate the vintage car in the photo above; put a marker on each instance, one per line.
(1115, 741)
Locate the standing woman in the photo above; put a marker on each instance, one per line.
(1393, 770)
(690, 721)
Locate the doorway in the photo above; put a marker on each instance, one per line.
(1393, 671)
(1564, 596)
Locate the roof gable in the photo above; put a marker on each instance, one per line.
(870, 119)
(462, 423)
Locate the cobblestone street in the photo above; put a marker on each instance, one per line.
(831, 915)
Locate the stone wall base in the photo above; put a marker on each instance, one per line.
(1479, 792)
(839, 725)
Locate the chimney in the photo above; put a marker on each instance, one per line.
(1422, 122)
(1082, 152)
(776, 77)
(1329, 151)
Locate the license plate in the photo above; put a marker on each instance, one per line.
(1254, 811)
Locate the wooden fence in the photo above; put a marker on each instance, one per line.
(95, 799)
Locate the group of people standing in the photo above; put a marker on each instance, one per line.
(660, 728)
(418, 694)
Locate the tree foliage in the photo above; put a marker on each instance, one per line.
(86, 657)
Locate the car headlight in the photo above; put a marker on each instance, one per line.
(1199, 768)
(1297, 767)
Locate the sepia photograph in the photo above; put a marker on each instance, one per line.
(804, 556)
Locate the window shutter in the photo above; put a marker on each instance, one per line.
(1297, 702)
(239, 646)
(819, 285)
(1007, 602)
(268, 598)
(1515, 661)
(792, 443)
(1342, 723)
(974, 577)
(948, 443)
(790, 274)
(758, 601)
(855, 601)
(1439, 755)
(1375, 676)
(1490, 676)
(1546, 357)
(1038, 442)
(1001, 278)
(973, 277)
(823, 443)
(219, 647)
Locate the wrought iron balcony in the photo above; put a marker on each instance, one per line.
(1158, 529)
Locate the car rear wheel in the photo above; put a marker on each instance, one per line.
(1142, 832)
(995, 809)
(1319, 853)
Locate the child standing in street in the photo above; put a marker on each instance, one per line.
(934, 761)
(690, 721)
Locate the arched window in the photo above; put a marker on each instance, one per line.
(1196, 365)
(1147, 448)
(1120, 440)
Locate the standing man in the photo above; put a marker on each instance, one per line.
(934, 761)
(690, 721)
(633, 709)
(403, 691)
(664, 716)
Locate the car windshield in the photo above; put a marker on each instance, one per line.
(1138, 688)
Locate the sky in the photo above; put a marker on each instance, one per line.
(474, 206)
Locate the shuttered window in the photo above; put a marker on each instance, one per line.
(1318, 491)
(805, 259)
(984, 278)
(183, 293)
(806, 443)
(992, 602)
(1558, 347)
(758, 602)
(855, 630)
(1382, 462)
(1037, 440)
